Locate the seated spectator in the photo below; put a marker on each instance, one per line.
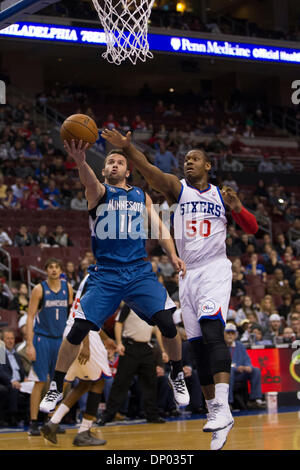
(71, 275)
(267, 308)
(279, 285)
(261, 194)
(79, 203)
(160, 107)
(14, 404)
(57, 169)
(283, 166)
(60, 237)
(23, 237)
(293, 321)
(232, 249)
(41, 238)
(265, 166)
(46, 146)
(18, 188)
(30, 199)
(23, 169)
(110, 123)
(231, 164)
(165, 267)
(5, 240)
(17, 150)
(288, 335)
(242, 369)
(258, 337)
(124, 124)
(10, 201)
(238, 287)
(273, 263)
(3, 188)
(230, 181)
(280, 244)
(286, 308)
(171, 111)
(296, 296)
(32, 151)
(20, 301)
(165, 160)
(52, 192)
(24, 131)
(239, 269)
(255, 268)
(247, 307)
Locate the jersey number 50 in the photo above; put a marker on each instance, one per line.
(202, 227)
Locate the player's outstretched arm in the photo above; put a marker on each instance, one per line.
(240, 215)
(165, 183)
(94, 190)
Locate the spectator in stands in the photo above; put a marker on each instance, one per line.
(273, 263)
(165, 267)
(18, 188)
(288, 335)
(286, 307)
(5, 240)
(295, 275)
(230, 181)
(46, 146)
(20, 301)
(78, 202)
(110, 123)
(124, 124)
(41, 238)
(296, 296)
(17, 150)
(247, 307)
(4, 297)
(160, 107)
(232, 249)
(242, 369)
(57, 169)
(267, 307)
(278, 285)
(12, 374)
(230, 164)
(283, 166)
(23, 237)
(265, 166)
(275, 328)
(32, 151)
(23, 169)
(71, 275)
(10, 201)
(60, 237)
(238, 287)
(83, 268)
(293, 321)
(52, 192)
(255, 268)
(239, 269)
(165, 160)
(45, 203)
(3, 188)
(30, 200)
(257, 336)
(261, 194)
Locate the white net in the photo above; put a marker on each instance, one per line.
(125, 23)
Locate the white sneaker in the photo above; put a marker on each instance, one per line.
(219, 418)
(51, 399)
(180, 390)
(219, 438)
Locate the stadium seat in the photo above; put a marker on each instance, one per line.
(10, 317)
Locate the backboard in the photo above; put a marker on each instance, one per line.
(17, 10)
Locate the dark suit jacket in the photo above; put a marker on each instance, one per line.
(6, 370)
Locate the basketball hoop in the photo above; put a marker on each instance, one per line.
(125, 24)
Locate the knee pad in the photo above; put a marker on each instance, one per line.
(79, 331)
(213, 338)
(202, 360)
(164, 321)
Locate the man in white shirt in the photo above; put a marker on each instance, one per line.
(4, 238)
(79, 203)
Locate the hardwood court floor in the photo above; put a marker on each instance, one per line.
(253, 432)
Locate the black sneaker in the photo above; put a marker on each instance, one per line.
(34, 429)
(158, 420)
(49, 431)
(86, 438)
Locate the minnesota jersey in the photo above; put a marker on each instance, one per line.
(117, 226)
(200, 225)
(53, 314)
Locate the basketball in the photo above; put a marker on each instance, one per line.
(79, 127)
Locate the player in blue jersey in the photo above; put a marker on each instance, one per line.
(47, 316)
(118, 213)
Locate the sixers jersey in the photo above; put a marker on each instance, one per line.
(52, 316)
(200, 224)
(118, 226)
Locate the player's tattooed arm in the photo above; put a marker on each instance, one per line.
(94, 190)
(165, 183)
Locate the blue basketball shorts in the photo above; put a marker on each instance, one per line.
(46, 355)
(105, 287)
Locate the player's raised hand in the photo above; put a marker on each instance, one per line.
(178, 265)
(231, 198)
(116, 139)
(77, 152)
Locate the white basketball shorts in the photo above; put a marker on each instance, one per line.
(96, 367)
(205, 292)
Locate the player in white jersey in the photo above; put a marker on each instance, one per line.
(91, 368)
(200, 233)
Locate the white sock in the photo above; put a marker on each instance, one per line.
(85, 425)
(221, 393)
(61, 411)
